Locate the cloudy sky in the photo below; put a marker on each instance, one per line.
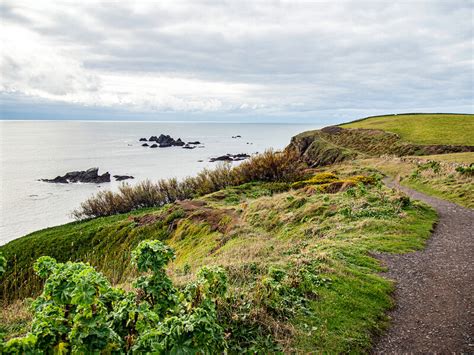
(234, 60)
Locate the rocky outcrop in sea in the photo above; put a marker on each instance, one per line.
(87, 176)
(166, 141)
(230, 157)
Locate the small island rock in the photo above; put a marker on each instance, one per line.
(123, 177)
(88, 176)
(230, 157)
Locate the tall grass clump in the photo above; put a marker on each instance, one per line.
(270, 166)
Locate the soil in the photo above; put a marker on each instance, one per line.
(434, 310)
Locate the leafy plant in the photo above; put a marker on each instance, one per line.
(3, 264)
(466, 170)
(80, 312)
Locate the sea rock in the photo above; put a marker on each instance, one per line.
(230, 157)
(123, 177)
(222, 158)
(88, 176)
(241, 156)
(166, 141)
(237, 136)
(143, 140)
(179, 142)
(187, 146)
(154, 146)
(145, 145)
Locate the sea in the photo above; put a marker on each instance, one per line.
(32, 150)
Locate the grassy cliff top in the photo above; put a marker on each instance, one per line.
(436, 128)
(312, 235)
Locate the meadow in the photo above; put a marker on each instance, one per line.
(423, 128)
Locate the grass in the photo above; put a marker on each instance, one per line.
(455, 129)
(329, 296)
(436, 179)
(15, 319)
(461, 158)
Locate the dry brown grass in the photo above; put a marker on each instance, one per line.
(15, 318)
(269, 166)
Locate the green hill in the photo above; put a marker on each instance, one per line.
(429, 128)
(398, 135)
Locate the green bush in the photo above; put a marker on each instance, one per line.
(466, 170)
(80, 312)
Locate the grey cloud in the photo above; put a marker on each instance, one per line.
(323, 55)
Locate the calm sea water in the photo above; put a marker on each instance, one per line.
(30, 150)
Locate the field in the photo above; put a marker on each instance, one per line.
(455, 129)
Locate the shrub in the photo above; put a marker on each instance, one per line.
(466, 170)
(318, 179)
(80, 312)
(270, 166)
(435, 166)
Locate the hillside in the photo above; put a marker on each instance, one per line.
(327, 238)
(399, 135)
(447, 129)
(299, 243)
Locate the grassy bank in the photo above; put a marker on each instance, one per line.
(417, 135)
(423, 128)
(436, 175)
(328, 294)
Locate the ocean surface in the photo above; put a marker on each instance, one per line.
(31, 150)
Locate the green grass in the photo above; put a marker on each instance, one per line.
(446, 187)
(417, 173)
(455, 129)
(249, 229)
(461, 158)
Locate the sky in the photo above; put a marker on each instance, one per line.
(234, 61)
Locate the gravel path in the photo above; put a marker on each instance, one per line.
(434, 287)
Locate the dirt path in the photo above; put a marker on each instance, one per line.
(435, 287)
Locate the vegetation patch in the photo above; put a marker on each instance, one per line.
(430, 128)
(399, 135)
(271, 166)
(446, 177)
(296, 262)
(80, 312)
(328, 182)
